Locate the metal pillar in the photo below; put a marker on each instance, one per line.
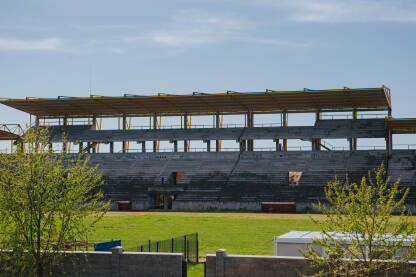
(175, 145)
(242, 145)
(124, 143)
(217, 125)
(316, 143)
(155, 127)
(353, 143)
(284, 122)
(94, 127)
(80, 146)
(389, 142)
(250, 124)
(64, 144)
(208, 142)
(143, 146)
(185, 126)
(278, 145)
(112, 147)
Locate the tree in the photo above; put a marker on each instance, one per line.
(359, 234)
(47, 201)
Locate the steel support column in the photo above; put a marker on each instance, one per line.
(284, 123)
(250, 124)
(185, 126)
(124, 143)
(155, 127)
(217, 125)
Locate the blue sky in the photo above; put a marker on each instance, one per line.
(50, 48)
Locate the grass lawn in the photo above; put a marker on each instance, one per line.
(239, 233)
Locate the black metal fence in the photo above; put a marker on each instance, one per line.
(187, 244)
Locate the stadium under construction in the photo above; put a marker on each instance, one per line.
(181, 178)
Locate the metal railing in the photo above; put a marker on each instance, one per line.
(187, 244)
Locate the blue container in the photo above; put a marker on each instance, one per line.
(106, 246)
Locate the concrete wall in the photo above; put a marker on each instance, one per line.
(223, 265)
(118, 264)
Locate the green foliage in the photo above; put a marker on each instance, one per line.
(359, 237)
(47, 201)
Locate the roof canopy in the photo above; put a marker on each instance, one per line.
(10, 131)
(205, 104)
(402, 125)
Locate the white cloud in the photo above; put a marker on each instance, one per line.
(347, 10)
(191, 28)
(49, 44)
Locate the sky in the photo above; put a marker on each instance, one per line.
(71, 48)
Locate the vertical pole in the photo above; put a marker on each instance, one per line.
(157, 246)
(185, 126)
(172, 245)
(64, 144)
(143, 146)
(277, 144)
(197, 248)
(250, 124)
(149, 246)
(389, 141)
(184, 246)
(155, 127)
(124, 125)
(94, 127)
(112, 147)
(208, 145)
(175, 146)
(284, 124)
(354, 140)
(217, 125)
(80, 147)
(316, 143)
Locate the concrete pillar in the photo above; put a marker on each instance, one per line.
(155, 127)
(185, 126)
(220, 262)
(115, 260)
(284, 124)
(112, 147)
(124, 126)
(208, 142)
(217, 125)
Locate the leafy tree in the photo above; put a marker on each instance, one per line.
(359, 235)
(47, 201)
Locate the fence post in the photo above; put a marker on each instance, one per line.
(141, 248)
(184, 246)
(149, 246)
(197, 248)
(157, 246)
(172, 244)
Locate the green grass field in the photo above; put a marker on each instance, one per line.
(239, 233)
